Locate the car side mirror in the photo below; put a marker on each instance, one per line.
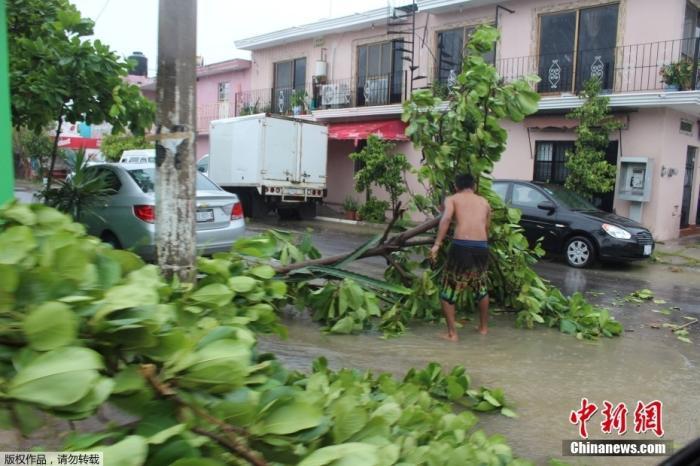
(549, 206)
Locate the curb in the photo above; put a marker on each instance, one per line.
(350, 222)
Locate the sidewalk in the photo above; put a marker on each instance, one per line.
(681, 252)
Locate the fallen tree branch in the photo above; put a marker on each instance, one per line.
(232, 441)
(681, 327)
(394, 243)
(396, 214)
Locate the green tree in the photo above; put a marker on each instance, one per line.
(58, 75)
(113, 145)
(589, 172)
(28, 145)
(468, 138)
(381, 168)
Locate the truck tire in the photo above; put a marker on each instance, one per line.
(307, 211)
(258, 205)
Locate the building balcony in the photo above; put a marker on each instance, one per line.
(623, 71)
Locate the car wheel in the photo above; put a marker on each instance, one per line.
(111, 239)
(579, 252)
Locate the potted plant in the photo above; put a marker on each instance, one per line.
(298, 101)
(350, 207)
(678, 75)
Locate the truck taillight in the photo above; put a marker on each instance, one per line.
(147, 213)
(237, 211)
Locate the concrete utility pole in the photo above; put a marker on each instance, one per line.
(7, 181)
(175, 128)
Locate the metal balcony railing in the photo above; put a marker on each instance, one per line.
(653, 66)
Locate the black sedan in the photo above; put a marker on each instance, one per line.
(572, 226)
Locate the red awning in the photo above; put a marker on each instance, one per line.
(75, 142)
(392, 130)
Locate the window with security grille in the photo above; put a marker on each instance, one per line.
(450, 52)
(550, 161)
(577, 45)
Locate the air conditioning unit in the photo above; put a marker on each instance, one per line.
(377, 91)
(335, 94)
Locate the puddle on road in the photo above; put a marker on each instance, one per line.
(545, 375)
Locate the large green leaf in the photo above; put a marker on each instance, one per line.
(352, 454)
(289, 418)
(216, 294)
(359, 251)
(57, 378)
(15, 244)
(50, 326)
(131, 451)
(349, 418)
(242, 284)
(381, 285)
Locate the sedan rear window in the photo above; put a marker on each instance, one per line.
(146, 179)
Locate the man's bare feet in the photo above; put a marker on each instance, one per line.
(483, 331)
(448, 337)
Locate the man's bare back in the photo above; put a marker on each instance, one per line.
(472, 215)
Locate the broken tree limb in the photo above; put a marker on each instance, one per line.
(393, 244)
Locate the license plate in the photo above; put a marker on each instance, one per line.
(647, 249)
(205, 216)
(298, 191)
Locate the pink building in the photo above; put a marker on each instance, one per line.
(222, 90)
(358, 69)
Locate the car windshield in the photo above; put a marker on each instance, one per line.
(145, 178)
(568, 198)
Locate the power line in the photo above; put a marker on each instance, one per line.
(104, 7)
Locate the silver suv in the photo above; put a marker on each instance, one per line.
(127, 219)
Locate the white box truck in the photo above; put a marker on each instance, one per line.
(272, 163)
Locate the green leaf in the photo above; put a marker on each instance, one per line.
(128, 380)
(508, 412)
(368, 281)
(131, 451)
(289, 418)
(216, 294)
(260, 246)
(166, 434)
(50, 326)
(488, 397)
(197, 462)
(242, 284)
(352, 454)
(263, 271)
(57, 378)
(359, 251)
(344, 326)
(9, 278)
(567, 326)
(15, 244)
(349, 418)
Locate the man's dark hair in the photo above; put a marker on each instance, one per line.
(464, 181)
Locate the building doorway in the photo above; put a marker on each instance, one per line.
(690, 158)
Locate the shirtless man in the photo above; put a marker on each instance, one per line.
(467, 260)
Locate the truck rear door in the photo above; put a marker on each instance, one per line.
(280, 150)
(314, 151)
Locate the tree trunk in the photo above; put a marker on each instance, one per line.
(54, 151)
(175, 128)
(395, 243)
